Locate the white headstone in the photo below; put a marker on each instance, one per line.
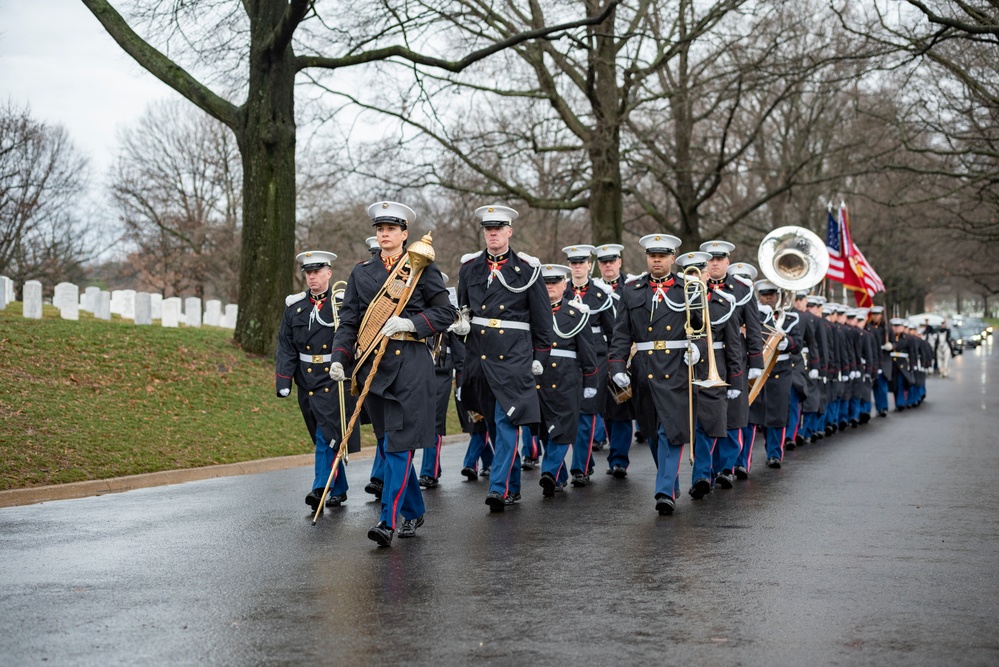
(213, 312)
(89, 301)
(192, 311)
(3, 292)
(156, 303)
(128, 304)
(102, 307)
(171, 312)
(229, 317)
(10, 290)
(33, 299)
(67, 299)
(143, 308)
(117, 301)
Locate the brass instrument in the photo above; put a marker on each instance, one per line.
(337, 291)
(695, 288)
(792, 258)
(418, 257)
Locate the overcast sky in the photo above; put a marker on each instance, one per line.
(56, 57)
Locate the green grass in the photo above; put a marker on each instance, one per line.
(94, 399)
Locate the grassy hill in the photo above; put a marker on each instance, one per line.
(95, 399)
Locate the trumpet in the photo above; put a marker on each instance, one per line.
(695, 289)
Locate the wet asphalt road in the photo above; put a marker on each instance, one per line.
(879, 546)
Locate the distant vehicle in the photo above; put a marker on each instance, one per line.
(979, 326)
(963, 337)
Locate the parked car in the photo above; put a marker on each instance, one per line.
(963, 337)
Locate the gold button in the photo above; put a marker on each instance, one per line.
(482, 331)
(502, 307)
(553, 386)
(327, 369)
(501, 356)
(554, 344)
(776, 376)
(650, 351)
(554, 365)
(310, 393)
(666, 377)
(327, 390)
(537, 386)
(307, 347)
(667, 351)
(650, 376)
(668, 327)
(308, 370)
(398, 352)
(483, 306)
(650, 328)
(324, 347)
(501, 331)
(483, 356)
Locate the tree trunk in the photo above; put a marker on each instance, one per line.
(606, 205)
(266, 138)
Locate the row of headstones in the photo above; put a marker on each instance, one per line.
(140, 307)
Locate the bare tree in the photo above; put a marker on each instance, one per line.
(176, 185)
(254, 50)
(42, 179)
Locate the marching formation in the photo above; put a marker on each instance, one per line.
(696, 355)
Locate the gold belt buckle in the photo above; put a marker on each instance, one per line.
(494, 323)
(659, 345)
(317, 358)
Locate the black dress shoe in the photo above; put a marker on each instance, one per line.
(619, 472)
(484, 472)
(336, 501)
(725, 480)
(665, 505)
(374, 487)
(773, 462)
(560, 487)
(830, 429)
(701, 488)
(882, 413)
(865, 417)
(741, 473)
(854, 423)
(579, 479)
(639, 437)
(511, 498)
(312, 500)
(799, 440)
(495, 501)
(409, 526)
(598, 445)
(789, 445)
(470, 474)
(427, 482)
(547, 484)
(818, 435)
(381, 534)
(843, 425)
(528, 464)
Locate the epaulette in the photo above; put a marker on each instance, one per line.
(533, 261)
(632, 278)
(470, 256)
(293, 298)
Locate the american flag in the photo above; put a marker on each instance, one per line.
(847, 264)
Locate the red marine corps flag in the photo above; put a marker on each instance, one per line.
(847, 264)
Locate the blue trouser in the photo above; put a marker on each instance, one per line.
(881, 392)
(432, 459)
(378, 463)
(667, 466)
(619, 435)
(478, 448)
(704, 450)
(832, 413)
(727, 451)
(901, 391)
(504, 475)
(402, 490)
(794, 414)
(600, 433)
(775, 442)
(554, 462)
(530, 446)
(582, 449)
(324, 463)
(854, 409)
(747, 436)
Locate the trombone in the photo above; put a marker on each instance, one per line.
(337, 291)
(695, 291)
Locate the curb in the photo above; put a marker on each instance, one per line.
(100, 487)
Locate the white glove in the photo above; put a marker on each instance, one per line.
(887, 347)
(461, 327)
(854, 375)
(782, 345)
(841, 377)
(755, 373)
(537, 368)
(881, 372)
(589, 392)
(621, 379)
(457, 394)
(733, 394)
(336, 372)
(825, 380)
(397, 325)
(332, 444)
(284, 392)
(813, 374)
(692, 355)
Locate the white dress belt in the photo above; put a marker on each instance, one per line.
(494, 323)
(903, 355)
(661, 345)
(718, 345)
(571, 354)
(596, 330)
(315, 358)
(783, 357)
